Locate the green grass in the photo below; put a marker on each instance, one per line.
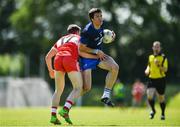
(90, 116)
(93, 116)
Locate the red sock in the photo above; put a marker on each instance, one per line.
(53, 110)
(68, 105)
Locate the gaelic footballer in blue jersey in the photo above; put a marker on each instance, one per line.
(92, 37)
(91, 55)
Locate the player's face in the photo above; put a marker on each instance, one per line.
(156, 48)
(97, 20)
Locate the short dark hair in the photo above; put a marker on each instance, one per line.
(93, 11)
(73, 28)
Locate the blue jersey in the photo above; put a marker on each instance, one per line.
(92, 37)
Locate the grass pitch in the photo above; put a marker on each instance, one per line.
(93, 116)
(90, 116)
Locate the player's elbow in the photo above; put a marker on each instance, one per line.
(78, 89)
(164, 69)
(47, 58)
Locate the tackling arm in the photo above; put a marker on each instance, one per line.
(100, 54)
(87, 55)
(84, 48)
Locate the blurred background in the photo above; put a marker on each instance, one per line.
(29, 28)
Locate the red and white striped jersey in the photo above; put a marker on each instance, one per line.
(68, 45)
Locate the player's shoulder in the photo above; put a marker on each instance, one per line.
(74, 35)
(70, 35)
(66, 35)
(151, 55)
(88, 27)
(163, 56)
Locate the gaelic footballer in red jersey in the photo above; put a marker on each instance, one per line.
(65, 52)
(67, 46)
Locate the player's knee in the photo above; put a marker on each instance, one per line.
(161, 98)
(115, 68)
(57, 93)
(86, 88)
(149, 96)
(78, 89)
(150, 93)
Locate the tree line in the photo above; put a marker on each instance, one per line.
(31, 27)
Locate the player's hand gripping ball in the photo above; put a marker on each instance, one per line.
(109, 36)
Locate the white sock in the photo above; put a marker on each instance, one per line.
(68, 105)
(53, 110)
(107, 93)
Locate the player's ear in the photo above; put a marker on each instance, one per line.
(92, 18)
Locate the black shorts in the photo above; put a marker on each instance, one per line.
(159, 84)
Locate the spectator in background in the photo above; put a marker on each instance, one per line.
(119, 93)
(137, 92)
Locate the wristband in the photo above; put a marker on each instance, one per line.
(95, 51)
